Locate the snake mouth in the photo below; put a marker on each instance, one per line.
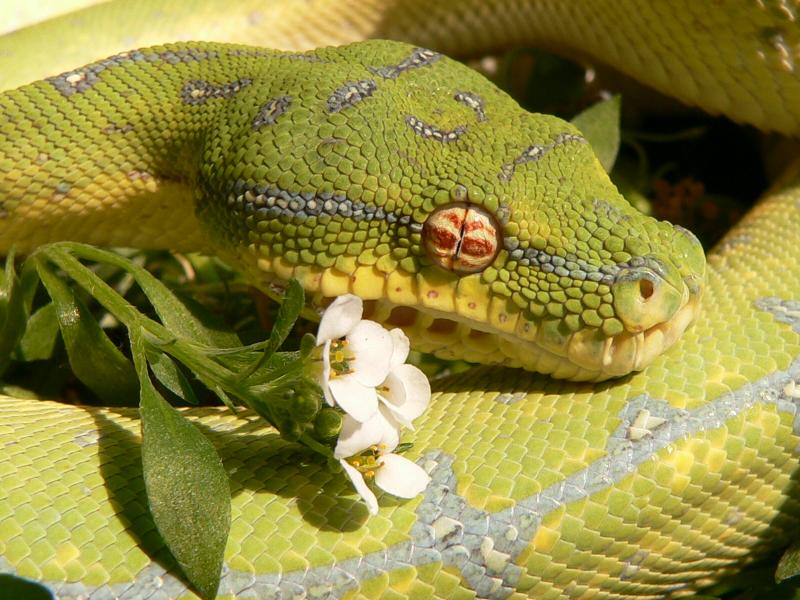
(467, 322)
(629, 351)
(585, 355)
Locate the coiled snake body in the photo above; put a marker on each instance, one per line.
(343, 168)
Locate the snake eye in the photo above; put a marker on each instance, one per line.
(461, 238)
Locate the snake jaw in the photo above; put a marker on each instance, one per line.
(633, 351)
(662, 302)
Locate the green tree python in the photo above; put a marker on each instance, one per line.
(366, 169)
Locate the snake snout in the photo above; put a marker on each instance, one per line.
(648, 294)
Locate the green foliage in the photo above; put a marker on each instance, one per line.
(15, 298)
(41, 334)
(600, 126)
(186, 483)
(288, 313)
(94, 359)
(169, 374)
(187, 486)
(789, 564)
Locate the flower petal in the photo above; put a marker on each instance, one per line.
(395, 412)
(356, 437)
(358, 400)
(400, 349)
(371, 346)
(408, 392)
(361, 487)
(401, 477)
(326, 373)
(339, 318)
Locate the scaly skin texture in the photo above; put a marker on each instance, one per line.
(633, 487)
(732, 57)
(327, 166)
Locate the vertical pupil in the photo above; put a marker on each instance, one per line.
(461, 238)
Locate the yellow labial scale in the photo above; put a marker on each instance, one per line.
(401, 288)
(309, 277)
(501, 316)
(282, 268)
(437, 290)
(334, 283)
(472, 298)
(368, 283)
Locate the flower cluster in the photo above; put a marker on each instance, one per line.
(364, 372)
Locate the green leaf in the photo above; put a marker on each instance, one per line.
(187, 486)
(94, 359)
(18, 588)
(291, 307)
(182, 318)
(600, 126)
(169, 374)
(789, 564)
(40, 335)
(15, 299)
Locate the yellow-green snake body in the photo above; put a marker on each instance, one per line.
(541, 487)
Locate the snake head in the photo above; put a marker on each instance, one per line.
(487, 233)
(552, 269)
(568, 278)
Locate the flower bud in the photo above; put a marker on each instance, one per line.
(328, 424)
(306, 400)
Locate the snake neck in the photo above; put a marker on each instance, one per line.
(107, 154)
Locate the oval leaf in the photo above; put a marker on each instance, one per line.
(187, 486)
(18, 588)
(789, 564)
(40, 335)
(184, 318)
(94, 359)
(599, 124)
(170, 375)
(16, 295)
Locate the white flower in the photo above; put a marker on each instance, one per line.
(393, 473)
(352, 367)
(406, 391)
(364, 373)
(401, 477)
(362, 488)
(403, 397)
(368, 357)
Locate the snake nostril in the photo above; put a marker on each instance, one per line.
(646, 289)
